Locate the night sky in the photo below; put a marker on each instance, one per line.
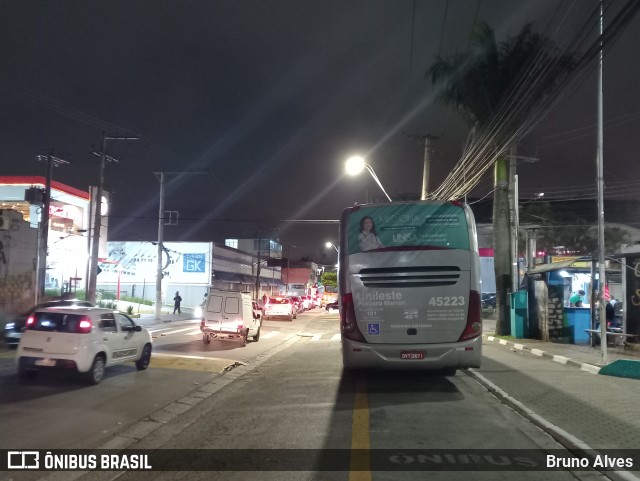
(264, 100)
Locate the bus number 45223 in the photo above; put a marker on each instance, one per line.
(447, 301)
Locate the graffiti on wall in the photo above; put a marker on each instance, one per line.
(14, 287)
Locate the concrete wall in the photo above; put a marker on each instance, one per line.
(18, 257)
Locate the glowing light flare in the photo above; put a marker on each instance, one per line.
(355, 165)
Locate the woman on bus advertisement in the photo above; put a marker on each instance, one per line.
(368, 238)
(407, 225)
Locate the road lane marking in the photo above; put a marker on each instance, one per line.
(335, 337)
(177, 331)
(269, 334)
(360, 465)
(158, 330)
(316, 337)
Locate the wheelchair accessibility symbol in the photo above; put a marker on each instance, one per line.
(373, 329)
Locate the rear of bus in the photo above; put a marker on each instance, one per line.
(409, 284)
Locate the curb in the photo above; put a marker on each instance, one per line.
(543, 354)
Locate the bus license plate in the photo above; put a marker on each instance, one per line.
(412, 355)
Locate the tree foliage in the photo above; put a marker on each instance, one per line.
(565, 234)
(330, 278)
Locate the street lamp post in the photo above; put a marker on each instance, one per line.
(330, 244)
(357, 164)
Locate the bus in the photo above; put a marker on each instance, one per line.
(409, 286)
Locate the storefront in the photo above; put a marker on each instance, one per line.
(67, 238)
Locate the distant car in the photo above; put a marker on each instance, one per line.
(297, 302)
(257, 310)
(306, 302)
(81, 339)
(332, 307)
(280, 306)
(488, 300)
(316, 301)
(14, 328)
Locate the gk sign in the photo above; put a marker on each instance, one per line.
(193, 263)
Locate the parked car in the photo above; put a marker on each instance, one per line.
(280, 307)
(81, 339)
(488, 300)
(332, 307)
(14, 328)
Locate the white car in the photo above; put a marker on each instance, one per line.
(280, 307)
(81, 339)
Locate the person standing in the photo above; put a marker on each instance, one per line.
(176, 302)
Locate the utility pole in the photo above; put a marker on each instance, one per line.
(161, 223)
(95, 239)
(600, 169)
(426, 161)
(43, 245)
(160, 241)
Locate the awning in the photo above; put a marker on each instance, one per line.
(228, 277)
(267, 281)
(552, 266)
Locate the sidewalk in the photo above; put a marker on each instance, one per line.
(147, 320)
(580, 355)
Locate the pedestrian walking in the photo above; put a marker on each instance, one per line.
(176, 303)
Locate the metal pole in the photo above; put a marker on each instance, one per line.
(95, 240)
(425, 169)
(599, 160)
(160, 240)
(44, 225)
(375, 177)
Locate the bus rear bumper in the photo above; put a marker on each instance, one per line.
(357, 355)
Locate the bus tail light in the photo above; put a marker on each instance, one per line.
(474, 318)
(348, 324)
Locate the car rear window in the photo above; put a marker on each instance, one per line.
(279, 300)
(56, 322)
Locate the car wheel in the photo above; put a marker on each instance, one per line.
(256, 338)
(243, 339)
(96, 373)
(290, 318)
(295, 315)
(206, 339)
(145, 358)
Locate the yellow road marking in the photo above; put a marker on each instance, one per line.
(190, 363)
(360, 468)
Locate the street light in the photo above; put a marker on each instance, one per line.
(356, 164)
(329, 244)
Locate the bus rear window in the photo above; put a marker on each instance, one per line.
(438, 224)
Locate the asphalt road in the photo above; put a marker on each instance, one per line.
(287, 393)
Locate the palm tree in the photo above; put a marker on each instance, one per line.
(501, 90)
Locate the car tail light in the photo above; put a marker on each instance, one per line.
(31, 320)
(84, 326)
(474, 318)
(348, 324)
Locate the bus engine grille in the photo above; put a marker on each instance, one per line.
(415, 276)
